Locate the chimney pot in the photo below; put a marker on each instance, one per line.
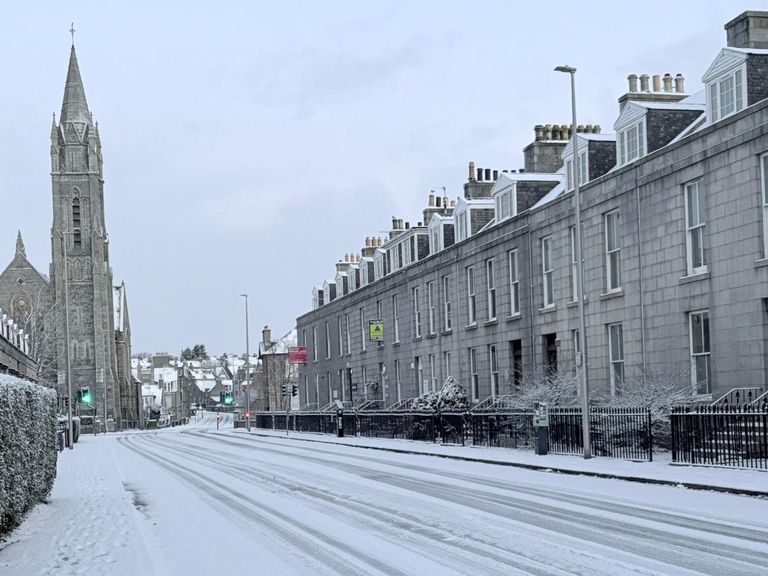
(548, 132)
(538, 130)
(632, 82)
(431, 200)
(445, 201)
(453, 203)
(472, 176)
(495, 175)
(667, 82)
(407, 225)
(656, 83)
(596, 128)
(680, 84)
(367, 241)
(487, 174)
(437, 202)
(644, 83)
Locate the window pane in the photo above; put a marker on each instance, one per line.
(737, 89)
(697, 336)
(713, 102)
(702, 374)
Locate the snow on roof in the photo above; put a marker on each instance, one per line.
(152, 391)
(685, 104)
(204, 385)
(603, 136)
(549, 196)
(281, 346)
(166, 374)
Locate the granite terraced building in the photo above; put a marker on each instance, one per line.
(675, 216)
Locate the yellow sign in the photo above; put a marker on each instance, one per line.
(376, 330)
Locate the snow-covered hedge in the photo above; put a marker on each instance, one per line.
(27, 447)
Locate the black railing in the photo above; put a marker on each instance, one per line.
(722, 435)
(615, 432)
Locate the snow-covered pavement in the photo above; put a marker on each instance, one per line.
(196, 501)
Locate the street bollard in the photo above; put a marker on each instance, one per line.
(541, 423)
(340, 423)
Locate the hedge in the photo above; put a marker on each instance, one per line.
(28, 450)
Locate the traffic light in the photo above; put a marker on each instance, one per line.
(83, 396)
(228, 400)
(285, 389)
(294, 390)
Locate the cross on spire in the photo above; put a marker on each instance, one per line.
(72, 32)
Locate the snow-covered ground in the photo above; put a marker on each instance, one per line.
(196, 501)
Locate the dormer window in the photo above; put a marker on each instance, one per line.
(506, 205)
(726, 95)
(632, 143)
(583, 171)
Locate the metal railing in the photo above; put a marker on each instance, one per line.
(722, 435)
(737, 396)
(615, 432)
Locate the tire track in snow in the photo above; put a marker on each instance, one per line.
(305, 540)
(399, 524)
(700, 554)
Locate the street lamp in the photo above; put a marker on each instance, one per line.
(581, 358)
(66, 340)
(247, 369)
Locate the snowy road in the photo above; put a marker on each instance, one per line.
(198, 501)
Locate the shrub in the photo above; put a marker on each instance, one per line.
(27, 447)
(452, 396)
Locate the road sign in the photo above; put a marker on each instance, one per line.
(297, 355)
(376, 330)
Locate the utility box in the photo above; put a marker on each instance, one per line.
(340, 423)
(541, 424)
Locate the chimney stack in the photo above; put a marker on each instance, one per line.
(667, 82)
(266, 336)
(748, 30)
(680, 84)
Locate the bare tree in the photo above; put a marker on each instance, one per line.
(555, 387)
(659, 392)
(279, 372)
(45, 325)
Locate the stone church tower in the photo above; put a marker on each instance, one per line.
(80, 246)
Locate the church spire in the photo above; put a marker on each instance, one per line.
(74, 108)
(20, 246)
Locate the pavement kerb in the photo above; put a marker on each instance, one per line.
(536, 467)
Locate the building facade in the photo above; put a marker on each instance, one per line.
(675, 236)
(76, 315)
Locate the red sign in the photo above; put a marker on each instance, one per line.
(297, 355)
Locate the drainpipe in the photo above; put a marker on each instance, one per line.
(640, 281)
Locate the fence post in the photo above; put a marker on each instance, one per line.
(650, 437)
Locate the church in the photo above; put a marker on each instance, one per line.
(76, 317)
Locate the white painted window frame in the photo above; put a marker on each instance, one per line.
(514, 283)
(706, 355)
(471, 297)
(695, 230)
(615, 356)
(715, 92)
(490, 277)
(548, 272)
(612, 250)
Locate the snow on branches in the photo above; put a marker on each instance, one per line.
(452, 396)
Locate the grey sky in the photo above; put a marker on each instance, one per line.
(249, 145)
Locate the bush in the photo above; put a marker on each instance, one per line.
(451, 397)
(27, 447)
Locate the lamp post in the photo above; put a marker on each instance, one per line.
(66, 340)
(581, 359)
(247, 369)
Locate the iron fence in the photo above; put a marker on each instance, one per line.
(615, 432)
(721, 435)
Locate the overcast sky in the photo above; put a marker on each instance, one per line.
(249, 145)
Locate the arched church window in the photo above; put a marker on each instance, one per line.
(76, 222)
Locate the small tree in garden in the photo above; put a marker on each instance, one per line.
(659, 392)
(555, 387)
(452, 396)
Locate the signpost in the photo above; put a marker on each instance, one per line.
(297, 355)
(376, 330)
